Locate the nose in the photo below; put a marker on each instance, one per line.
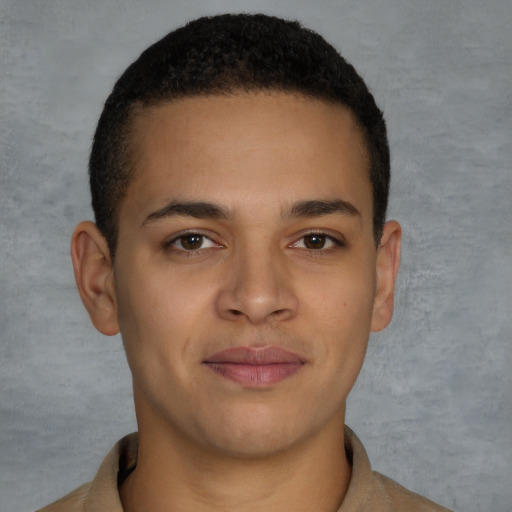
(258, 289)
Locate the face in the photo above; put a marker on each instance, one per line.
(246, 278)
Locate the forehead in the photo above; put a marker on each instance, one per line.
(248, 147)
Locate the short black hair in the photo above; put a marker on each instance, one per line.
(227, 54)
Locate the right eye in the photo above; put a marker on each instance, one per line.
(190, 242)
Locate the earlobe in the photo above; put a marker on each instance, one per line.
(94, 276)
(388, 262)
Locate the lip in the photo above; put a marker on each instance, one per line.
(255, 367)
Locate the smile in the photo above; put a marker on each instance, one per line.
(255, 367)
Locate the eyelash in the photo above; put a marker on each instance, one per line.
(336, 242)
(170, 244)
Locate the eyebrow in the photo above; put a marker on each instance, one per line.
(197, 209)
(207, 210)
(318, 208)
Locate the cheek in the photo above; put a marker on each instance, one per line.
(343, 297)
(342, 312)
(149, 297)
(159, 313)
(145, 314)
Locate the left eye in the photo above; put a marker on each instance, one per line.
(192, 242)
(316, 241)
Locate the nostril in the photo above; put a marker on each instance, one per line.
(255, 306)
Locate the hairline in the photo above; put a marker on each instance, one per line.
(128, 145)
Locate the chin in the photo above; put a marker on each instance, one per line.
(252, 445)
(257, 434)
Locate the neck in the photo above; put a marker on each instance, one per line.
(174, 474)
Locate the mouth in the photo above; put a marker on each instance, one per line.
(255, 367)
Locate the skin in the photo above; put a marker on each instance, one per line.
(265, 272)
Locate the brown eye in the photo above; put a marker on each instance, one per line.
(191, 242)
(318, 242)
(315, 241)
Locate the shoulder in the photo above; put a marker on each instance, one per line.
(370, 490)
(102, 493)
(399, 499)
(72, 502)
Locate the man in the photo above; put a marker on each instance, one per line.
(239, 178)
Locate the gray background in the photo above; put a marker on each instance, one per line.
(433, 404)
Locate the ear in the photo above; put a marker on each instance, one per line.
(388, 262)
(94, 276)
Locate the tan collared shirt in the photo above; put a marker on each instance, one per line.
(368, 490)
